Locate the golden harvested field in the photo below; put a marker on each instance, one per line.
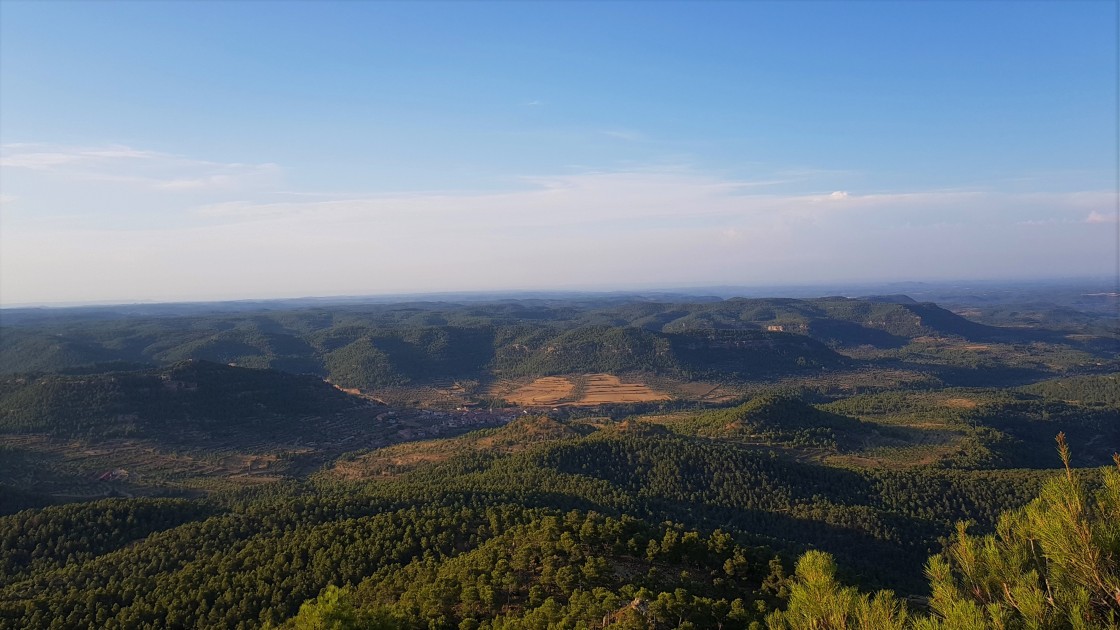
(549, 390)
(607, 388)
(583, 391)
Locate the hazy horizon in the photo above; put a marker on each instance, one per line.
(854, 289)
(175, 152)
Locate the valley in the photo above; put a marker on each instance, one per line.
(450, 464)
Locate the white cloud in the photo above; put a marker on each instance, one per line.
(48, 157)
(133, 224)
(126, 165)
(643, 200)
(1100, 217)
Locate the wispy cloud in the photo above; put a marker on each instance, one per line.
(48, 157)
(127, 165)
(644, 200)
(247, 233)
(1100, 217)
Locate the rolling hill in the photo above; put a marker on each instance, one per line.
(190, 396)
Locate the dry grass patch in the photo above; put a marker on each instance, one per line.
(254, 478)
(398, 459)
(899, 458)
(245, 463)
(393, 460)
(699, 390)
(73, 469)
(960, 403)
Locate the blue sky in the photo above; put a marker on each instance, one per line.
(202, 150)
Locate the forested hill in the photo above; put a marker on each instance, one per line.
(189, 396)
(367, 355)
(897, 316)
(776, 419)
(837, 320)
(556, 523)
(622, 464)
(392, 344)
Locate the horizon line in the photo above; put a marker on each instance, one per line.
(694, 290)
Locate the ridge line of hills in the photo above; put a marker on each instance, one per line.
(217, 470)
(373, 346)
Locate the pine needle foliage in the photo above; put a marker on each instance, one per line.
(1053, 565)
(818, 602)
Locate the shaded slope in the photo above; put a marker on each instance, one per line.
(776, 419)
(371, 346)
(870, 518)
(188, 396)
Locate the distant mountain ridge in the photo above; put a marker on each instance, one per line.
(393, 344)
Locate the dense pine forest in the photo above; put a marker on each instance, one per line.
(588, 462)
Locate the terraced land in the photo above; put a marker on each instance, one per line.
(606, 388)
(583, 391)
(550, 390)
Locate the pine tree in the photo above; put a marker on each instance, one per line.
(1053, 565)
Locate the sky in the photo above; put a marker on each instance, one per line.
(172, 151)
